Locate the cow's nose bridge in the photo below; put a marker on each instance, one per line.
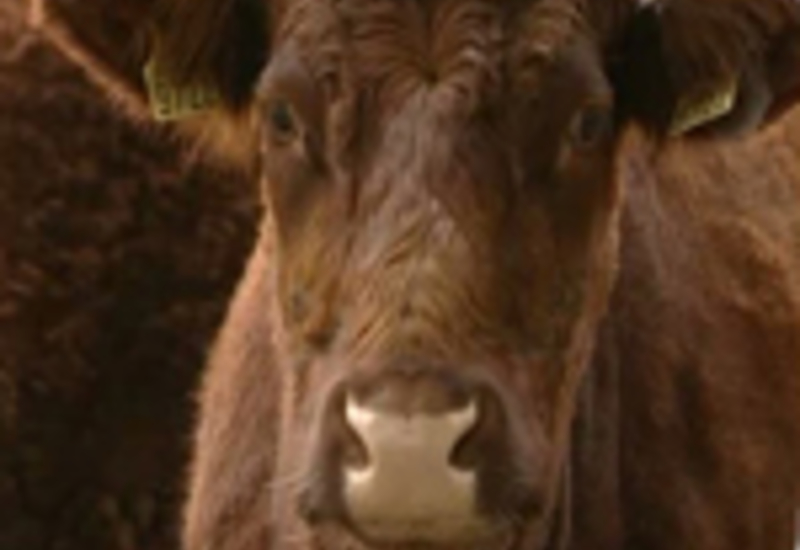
(412, 387)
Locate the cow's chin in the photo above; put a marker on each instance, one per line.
(417, 536)
(434, 533)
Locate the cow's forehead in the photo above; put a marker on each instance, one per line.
(435, 39)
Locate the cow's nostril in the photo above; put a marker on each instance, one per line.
(487, 436)
(466, 452)
(354, 452)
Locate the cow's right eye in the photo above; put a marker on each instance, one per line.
(591, 126)
(282, 123)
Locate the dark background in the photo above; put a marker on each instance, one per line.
(117, 257)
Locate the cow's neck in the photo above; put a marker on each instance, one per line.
(590, 500)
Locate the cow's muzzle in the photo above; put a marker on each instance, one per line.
(418, 456)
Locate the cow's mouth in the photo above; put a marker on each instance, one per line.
(507, 536)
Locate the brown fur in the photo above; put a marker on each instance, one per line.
(117, 257)
(690, 425)
(634, 300)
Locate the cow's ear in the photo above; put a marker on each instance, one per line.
(711, 67)
(172, 57)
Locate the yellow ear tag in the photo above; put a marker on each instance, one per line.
(170, 102)
(704, 106)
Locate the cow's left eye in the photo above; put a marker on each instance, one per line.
(281, 120)
(591, 126)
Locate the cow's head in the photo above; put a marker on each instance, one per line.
(442, 220)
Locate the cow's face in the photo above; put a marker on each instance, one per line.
(442, 217)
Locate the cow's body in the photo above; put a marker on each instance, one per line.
(100, 255)
(689, 417)
(486, 309)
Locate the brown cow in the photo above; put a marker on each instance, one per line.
(105, 312)
(514, 289)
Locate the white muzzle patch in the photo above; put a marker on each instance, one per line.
(409, 490)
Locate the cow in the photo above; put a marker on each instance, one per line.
(528, 276)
